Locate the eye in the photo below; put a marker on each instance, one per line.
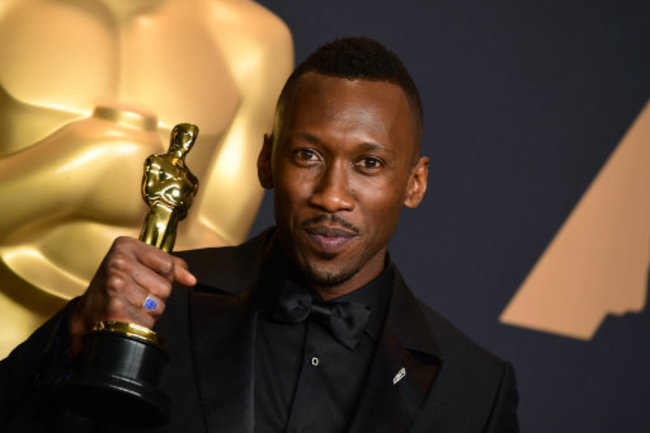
(306, 155)
(370, 164)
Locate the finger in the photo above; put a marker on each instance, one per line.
(153, 305)
(172, 268)
(130, 278)
(142, 318)
(182, 275)
(146, 301)
(151, 282)
(135, 295)
(122, 310)
(155, 259)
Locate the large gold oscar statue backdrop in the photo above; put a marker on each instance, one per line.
(88, 90)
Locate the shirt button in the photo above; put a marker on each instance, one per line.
(315, 361)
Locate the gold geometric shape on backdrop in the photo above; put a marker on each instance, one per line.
(597, 263)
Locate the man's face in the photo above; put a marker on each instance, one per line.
(343, 163)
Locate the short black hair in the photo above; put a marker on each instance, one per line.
(357, 58)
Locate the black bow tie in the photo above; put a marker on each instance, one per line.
(346, 320)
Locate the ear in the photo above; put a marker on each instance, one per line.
(417, 184)
(264, 168)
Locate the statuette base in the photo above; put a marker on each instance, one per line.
(117, 381)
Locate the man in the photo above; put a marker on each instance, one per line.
(308, 327)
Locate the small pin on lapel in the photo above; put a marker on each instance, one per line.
(399, 376)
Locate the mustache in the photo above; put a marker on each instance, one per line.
(330, 218)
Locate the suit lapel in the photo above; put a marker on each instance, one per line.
(223, 336)
(223, 321)
(403, 371)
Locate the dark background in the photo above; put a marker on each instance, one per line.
(523, 103)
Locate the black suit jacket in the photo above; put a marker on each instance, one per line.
(451, 385)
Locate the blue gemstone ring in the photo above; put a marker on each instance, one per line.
(150, 304)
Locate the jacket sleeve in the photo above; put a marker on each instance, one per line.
(31, 369)
(503, 418)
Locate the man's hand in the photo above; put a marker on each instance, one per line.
(130, 272)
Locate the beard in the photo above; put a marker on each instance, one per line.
(328, 277)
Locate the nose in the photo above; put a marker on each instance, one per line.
(332, 192)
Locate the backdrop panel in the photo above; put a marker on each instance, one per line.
(524, 103)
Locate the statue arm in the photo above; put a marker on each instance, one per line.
(73, 172)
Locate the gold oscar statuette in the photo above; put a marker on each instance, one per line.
(117, 380)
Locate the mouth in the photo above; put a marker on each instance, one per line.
(329, 239)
